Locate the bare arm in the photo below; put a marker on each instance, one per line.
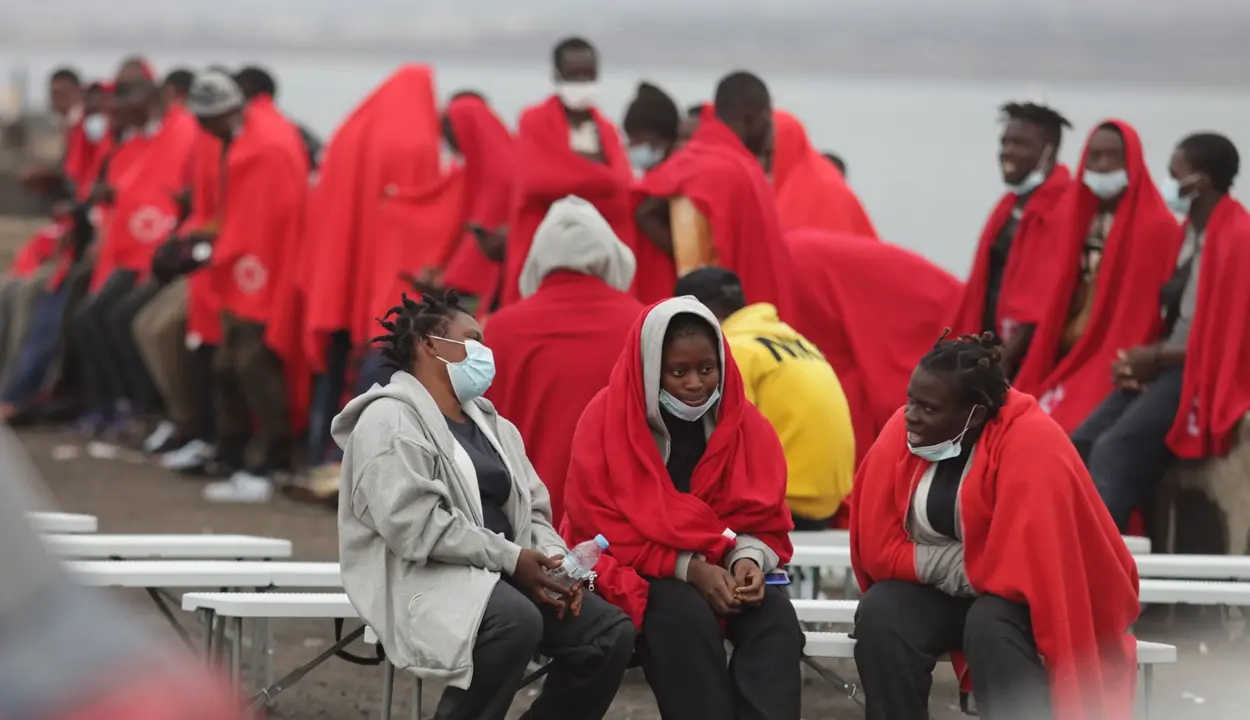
(652, 218)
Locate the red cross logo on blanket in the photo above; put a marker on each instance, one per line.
(1051, 399)
(1191, 422)
(148, 224)
(250, 274)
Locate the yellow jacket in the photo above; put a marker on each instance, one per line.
(792, 385)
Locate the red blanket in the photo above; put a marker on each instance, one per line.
(571, 315)
(726, 183)
(549, 170)
(82, 160)
(810, 190)
(1216, 394)
(618, 484)
(655, 275)
(873, 309)
(1035, 532)
(381, 172)
(203, 305)
(1032, 271)
(1138, 258)
(146, 174)
(489, 152)
(266, 183)
(38, 249)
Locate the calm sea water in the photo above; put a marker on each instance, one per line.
(921, 153)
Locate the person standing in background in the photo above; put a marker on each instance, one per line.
(1015, 269)
(652, 124)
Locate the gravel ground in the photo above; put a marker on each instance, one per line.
(134, 496)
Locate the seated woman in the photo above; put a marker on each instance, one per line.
(687, 480)
(445, 534)
(976, 528)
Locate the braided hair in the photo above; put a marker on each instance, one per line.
(975, 361)
(410, 321)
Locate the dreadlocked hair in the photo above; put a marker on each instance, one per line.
(975, 361)
(410, 321)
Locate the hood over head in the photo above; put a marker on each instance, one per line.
(652, 342)
(574, 236)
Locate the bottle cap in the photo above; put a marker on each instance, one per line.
(602, 542)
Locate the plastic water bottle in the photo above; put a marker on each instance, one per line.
(579, 563)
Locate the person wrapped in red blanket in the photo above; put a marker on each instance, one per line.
(1016, 270)
(687, 481)
(1118, 240)
(721, 207)
(651, 124)
(1185, 394)
(265, 176)
(810, 190)
(976, 529)
(872, 308)
(565, 146)
(563, 338)
(473, 129)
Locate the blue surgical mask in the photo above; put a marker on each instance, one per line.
(1171, 190)
(94, 126)
(472, 376)
(682, 411)
(1106, 185)
(943, 450)
(644, 157)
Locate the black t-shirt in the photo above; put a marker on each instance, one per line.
(999, 252)
(493, 481)
(686, 445)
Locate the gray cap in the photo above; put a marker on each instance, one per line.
(214, 94)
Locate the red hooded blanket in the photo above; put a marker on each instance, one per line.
(810, 190)
(1032, 271)
(548, 170)
(1035, 532)
(489, 152)
(1216, 394)
(571, 316)
(618, 484)
(203, 305)
(873, 309)
(726, 183)
(1138, 258)
(146, 174)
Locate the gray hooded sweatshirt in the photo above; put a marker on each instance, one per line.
(417, 561)
(574, 236)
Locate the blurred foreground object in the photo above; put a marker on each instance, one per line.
(74, 653)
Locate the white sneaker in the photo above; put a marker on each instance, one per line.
(242, 487)
(161, 435)
(188, 457)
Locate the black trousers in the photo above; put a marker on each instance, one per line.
(137, 384)
(683, 656)
(204, 376)
(103, 380)
(902, 628)
(590, 654)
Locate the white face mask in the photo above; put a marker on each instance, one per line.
(943, 450)
(1106, 185)
(1034, 179)
(682, 411)
(578, 95)
(472, 376)
(94, 126)
(1173, 194)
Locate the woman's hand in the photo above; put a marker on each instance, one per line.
(577, 594)
(531, 576)
(716, 586)
(750, 580)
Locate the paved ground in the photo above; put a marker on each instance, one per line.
(134, 496)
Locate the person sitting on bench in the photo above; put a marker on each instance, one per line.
(688, 481)
(445, 535)
(976, 528)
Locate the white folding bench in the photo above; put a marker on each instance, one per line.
(167, 547)
(1194, 567)
(826, 538)
(61, 522)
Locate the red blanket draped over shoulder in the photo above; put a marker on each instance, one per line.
(1032, 271)
(1216, 390)
(571, 316)
(203, 305)
(655, 273)
(489, 152)
(726, 183)
(811, 191)
(146, 175)
(266, 184)
(1035, 532)
(548, 170)
(1139, 255)
(618, 484)
(385, 208)
(873, 309)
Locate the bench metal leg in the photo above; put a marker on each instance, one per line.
(388, 689)
(1148, 681)
(209, 618)
(851, 690)
(236, 655)
(418, 690)
(267, 694)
